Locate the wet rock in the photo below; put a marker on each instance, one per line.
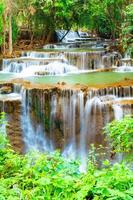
(12, 108)
(1, 64)
(42, 73)
(127, 79)
(61, 83)
(5, 90)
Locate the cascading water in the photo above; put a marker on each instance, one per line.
(53, 108)
(71, 147)
(75, 120)
(83, 147)
(41, 63)
(92, 60)
(118, 112)
(35, 54)
(33, 135)
(71, 36)
(67, 119)
(55, 68)
(126, 64)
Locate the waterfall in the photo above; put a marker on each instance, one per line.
(41, 63)
(79, 59)
(118, 112)
(126, 65)
(85, 60)
(66, 119)
(76, 119)
(73, 121)
(36, 54)
(71, 147)
(52, 118)
(92, 60)
(71, 36)
(17, 66)
(17, 88)
(33, 136)
(32, 67)
(84, 117)
(83, 148)
(55, 68)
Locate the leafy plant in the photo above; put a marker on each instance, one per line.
(45, 176)
(127, 30)
(1, 22)
(120, 134)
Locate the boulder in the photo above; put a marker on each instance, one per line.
(5, 90)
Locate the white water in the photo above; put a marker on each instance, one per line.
(126, 64)
(41, 63)
(54, 68)
(95, 111)
(80, 119)
(33, 136)
(118, 112)
(70, 147)
(53, 107)
(124, 68)
(10, 97)
(71, 36)
(67, 108)
(83, 148)
(85, 60)
(37, 54)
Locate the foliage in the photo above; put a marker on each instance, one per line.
(37, 176)
(107, 18)
(127, 30)
(120, 134)
(53, 15)
(15, 30)
(1, 22)
(104, 17)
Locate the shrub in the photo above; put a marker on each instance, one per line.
(44, 176)
(120, 134)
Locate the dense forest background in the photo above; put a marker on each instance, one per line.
(33, 20)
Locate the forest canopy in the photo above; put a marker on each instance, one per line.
(107, 19)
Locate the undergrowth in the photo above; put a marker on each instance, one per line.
(44, 176)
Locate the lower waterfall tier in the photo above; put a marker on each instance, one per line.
(60, 117)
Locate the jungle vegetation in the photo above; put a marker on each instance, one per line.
(45, 176)
(39, 19)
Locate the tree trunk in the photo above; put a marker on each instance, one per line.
(10, 34)
(49, 37)
(4, 35)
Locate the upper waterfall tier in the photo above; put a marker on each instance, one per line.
(71, 36)
(41, 63)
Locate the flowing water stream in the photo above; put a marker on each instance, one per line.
(62, 118)
(33, 63)
(71, 120)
